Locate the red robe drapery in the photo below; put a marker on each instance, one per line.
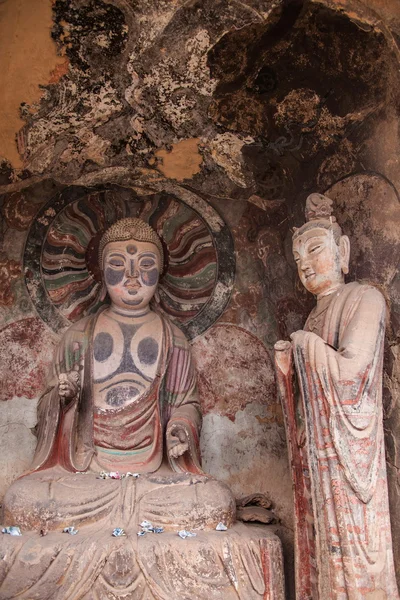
(65, 435)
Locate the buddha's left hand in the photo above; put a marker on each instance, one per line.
(177, 443)
(68, 386)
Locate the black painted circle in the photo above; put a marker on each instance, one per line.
(147, 351)
(121, 395)
(102, 346)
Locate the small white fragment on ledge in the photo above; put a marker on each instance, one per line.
(11, 530)
(185, 534)
(70, 530)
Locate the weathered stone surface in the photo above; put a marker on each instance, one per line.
(29, 62)
(17, 440)
(9, 270)
(256, 514)
(368, 209)
(216, 565)
(26, 352)
(235, 370)
(182, 161)
(229, 449)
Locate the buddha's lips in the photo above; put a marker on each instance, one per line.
(132, 288)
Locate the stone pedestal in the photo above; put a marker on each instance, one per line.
(244, 562)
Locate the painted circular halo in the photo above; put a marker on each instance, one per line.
(60, 261)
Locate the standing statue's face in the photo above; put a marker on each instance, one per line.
(131, 271)
(320, 260)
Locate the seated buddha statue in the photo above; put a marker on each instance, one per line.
(122, 398)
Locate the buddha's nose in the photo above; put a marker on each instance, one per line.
(132, 270)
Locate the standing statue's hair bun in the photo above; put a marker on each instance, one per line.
(318, 207)
(318, 212)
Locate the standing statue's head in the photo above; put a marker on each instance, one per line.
(131, 260)
(320, 250)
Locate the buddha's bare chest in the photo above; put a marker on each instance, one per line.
(125, 359)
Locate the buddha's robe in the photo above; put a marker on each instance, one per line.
(339, 360)
(76, 441)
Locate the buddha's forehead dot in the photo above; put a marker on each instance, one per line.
(131, 247)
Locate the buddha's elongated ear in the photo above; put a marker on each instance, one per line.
(103, 292)
(344, 249)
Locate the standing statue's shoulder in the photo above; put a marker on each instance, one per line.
(372, 292)
(368, 294)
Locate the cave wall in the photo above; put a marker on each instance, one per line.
(243, 106)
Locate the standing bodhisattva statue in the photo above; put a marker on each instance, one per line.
(335, 432)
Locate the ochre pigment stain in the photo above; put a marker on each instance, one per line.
(182, 162)
(28, 61)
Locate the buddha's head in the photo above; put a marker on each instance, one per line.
(131, 260)
(320, 250)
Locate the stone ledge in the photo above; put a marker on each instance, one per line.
(244, 562)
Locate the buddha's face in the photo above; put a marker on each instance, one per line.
(320, 261)
(131, 271)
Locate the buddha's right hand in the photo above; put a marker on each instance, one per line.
(68, 385)
(177, 441)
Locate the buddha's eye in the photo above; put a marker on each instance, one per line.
(147, 263)
(315, 248)
(115, 263)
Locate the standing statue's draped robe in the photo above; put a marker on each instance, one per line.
(339, 363)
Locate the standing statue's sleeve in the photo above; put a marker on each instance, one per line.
(181, 402)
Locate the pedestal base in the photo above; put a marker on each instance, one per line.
(244, 562)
